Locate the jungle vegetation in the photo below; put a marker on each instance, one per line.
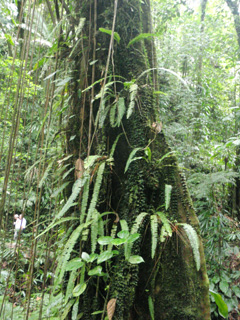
(119, 127)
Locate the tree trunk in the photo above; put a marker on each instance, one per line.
(170, 281)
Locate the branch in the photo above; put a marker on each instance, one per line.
(51, 12)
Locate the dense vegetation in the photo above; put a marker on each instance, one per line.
(87, 116)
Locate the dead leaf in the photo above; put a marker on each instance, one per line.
(79, 168)
(111, 308)
(157, 126)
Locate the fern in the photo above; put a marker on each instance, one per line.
(75, 310)
(90, 160)
(112, 115)
(94, 230)
(84, 200)
(79, 183)
(194, 242)
(96, 190)
(140, 37)
(124, 225)
(114, 145)
(131, 159)
(133, 92)
(165, 223)
(67, 173)
(45, 175)
(151, 307)
(154, 232)
(121, 110)
(116, 36)
(138, 222)
(70, 285)
(53, 224)
(168, 190)
(60, 189)
(62, 261)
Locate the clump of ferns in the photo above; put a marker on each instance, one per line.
(183, 230)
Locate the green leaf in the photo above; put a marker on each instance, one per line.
(96, 271)
(133, 92)
(135, 259)
(224, 286)
(118, 242)
(9, 38)
(133, 237)
(105, 240)
(151, 307)
(236, 291)
(222, 306)
(154, 232)
(131, 159)
(74, 264)
(79, 289)
(116, 35)
(140, 37)
(168, 190)
(123, 234)
(85, 256)
(194, 242)
(106, 255)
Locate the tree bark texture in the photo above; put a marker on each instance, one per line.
(177, 289)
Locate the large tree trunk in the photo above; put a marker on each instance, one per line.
(171, 280)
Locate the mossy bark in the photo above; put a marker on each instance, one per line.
(177, 289)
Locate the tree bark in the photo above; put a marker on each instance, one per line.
(170, 280)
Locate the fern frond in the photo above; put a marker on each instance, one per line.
(165, 223)
(114, 145)
(168, 190)
(124, 225)
(45, 175)
(79, 183)
(140, 37)
(138, 222)
(154, 232)
(133, 92)
(96, 190)
(121, 109)
(71, 285)
(75, 310)
(63, 259)
(67, 173)
(84, 203)
(194, 242)
(90, 160)
(53, 224)
(112, 115)
(60, 189)
(131, 159)
(94, 230)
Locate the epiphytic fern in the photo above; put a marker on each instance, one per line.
(79, 183)
(63, 259)
(194, 242)
(133, 92)
(154, 232)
